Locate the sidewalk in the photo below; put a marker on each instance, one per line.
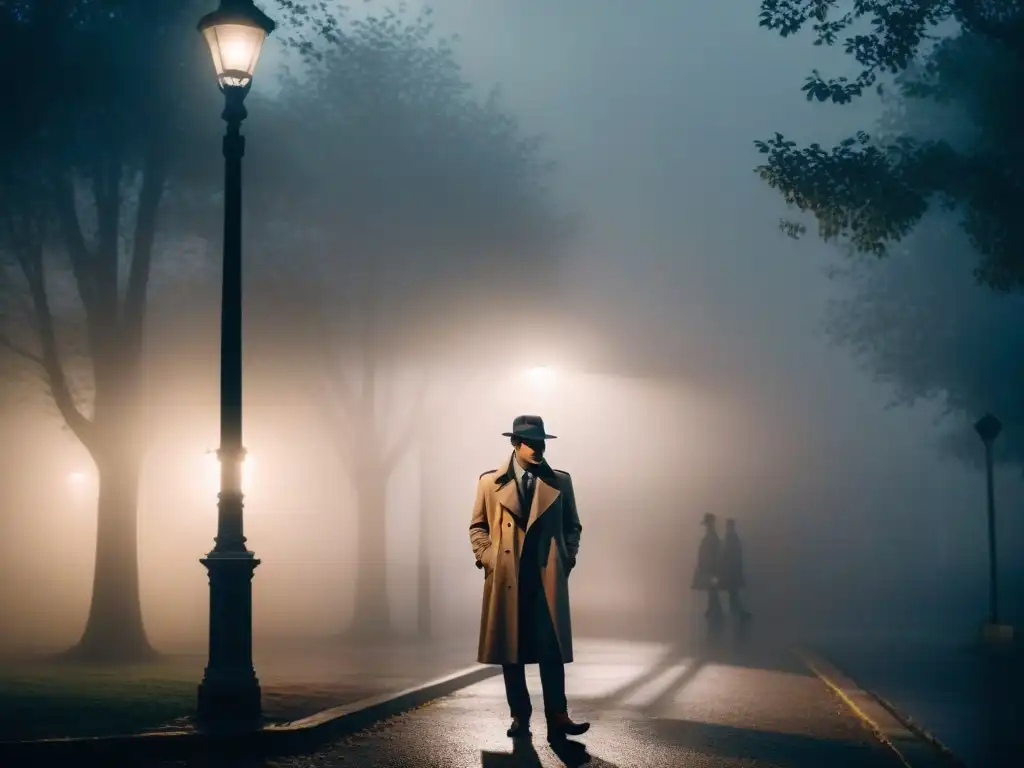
(651, 705)
(298, 679)
(307, 678)
(971, 699)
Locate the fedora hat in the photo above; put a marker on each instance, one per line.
(528, 428)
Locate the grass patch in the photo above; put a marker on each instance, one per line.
(49, 699)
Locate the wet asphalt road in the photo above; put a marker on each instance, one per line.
(970, 698)
(651, 707)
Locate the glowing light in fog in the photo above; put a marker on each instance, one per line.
(212, 467)
(540, 374)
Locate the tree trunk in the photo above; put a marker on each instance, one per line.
(372, 616)
(424, 608)
(115, 630)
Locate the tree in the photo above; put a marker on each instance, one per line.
(913, 322)
(869, 193)
(403, 207)
(910, 319)
(87, 156)
(100, 140)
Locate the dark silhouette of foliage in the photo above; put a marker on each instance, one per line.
(911, 319)
(870, 192)
(937, 186)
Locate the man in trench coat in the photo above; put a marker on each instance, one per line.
(525, 534)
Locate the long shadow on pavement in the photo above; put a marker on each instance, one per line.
(669, 659)
(729, 649)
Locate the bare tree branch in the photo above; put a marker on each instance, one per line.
(339, 412)
(107, 193)
(335, 388)
(35, 275)
(338, 401)
(78, 249)
(154, 177)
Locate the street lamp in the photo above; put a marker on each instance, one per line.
(988, 428)
(539, 374)
(230, 691)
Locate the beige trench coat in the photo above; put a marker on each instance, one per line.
(499, 532)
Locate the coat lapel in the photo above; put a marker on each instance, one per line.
(508, 493)
(545, 493)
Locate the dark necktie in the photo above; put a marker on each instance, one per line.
(527, 490)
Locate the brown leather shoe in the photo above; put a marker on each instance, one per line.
(561, 725)
(520, 727)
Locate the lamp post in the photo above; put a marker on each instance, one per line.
(424, 615)
(988, 428)
(230, 691)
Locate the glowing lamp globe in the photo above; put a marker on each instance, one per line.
(235, 33)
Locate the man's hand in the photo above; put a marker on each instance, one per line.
(479, 530)
(484, 563)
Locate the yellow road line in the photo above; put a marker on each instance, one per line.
(863, 716)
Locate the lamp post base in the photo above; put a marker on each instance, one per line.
(230, 701)
(230, 692)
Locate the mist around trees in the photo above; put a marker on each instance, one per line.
(385, 188)
(925, 205)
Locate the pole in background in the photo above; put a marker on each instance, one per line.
(988, 428)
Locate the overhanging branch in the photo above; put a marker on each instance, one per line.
(35, 275)
(339, 413)
(338, 401)
(78, 251)
(107, 195)
(154, 177)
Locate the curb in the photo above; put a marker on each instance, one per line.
(912, 744)
(295, 737)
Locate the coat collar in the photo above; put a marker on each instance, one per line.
(545, 492)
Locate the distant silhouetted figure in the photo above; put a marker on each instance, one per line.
(730, 570)
(706, 575)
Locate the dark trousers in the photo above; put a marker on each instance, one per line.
(714, 610)
(735, 604)
(552, 679)
(537, 641)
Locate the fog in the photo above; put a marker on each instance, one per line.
(678, 351)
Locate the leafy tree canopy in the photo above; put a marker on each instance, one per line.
(910, 319)
(869, 192)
